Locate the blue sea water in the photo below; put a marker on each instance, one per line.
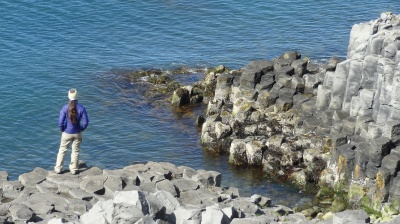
(47, 47)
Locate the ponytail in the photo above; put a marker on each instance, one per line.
(72, 114)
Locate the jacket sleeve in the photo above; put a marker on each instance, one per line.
(84, 120)
(61, 120)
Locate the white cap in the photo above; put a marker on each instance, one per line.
(73, 94)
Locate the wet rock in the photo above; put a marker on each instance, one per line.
(180, 97)
(200, 120)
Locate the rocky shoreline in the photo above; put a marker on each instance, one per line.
(154, 192)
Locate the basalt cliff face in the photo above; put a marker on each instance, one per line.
(334, 124)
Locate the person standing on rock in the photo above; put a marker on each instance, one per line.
(73, 121)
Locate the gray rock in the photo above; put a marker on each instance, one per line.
(395, 151)
(266, 99)
(362, 123)
(66, 180)
(381, 113)
(328, 78)
(286, 93)
(129, 177)
(298, 99)
(184, 215)
(31, 179)
(332, 63)
(380, 147)
(58, 201)
(149, 176)
(283, 104)
(188, 172)
(245, 206)
(222, 130)
(395, 188)
(93, 184)
(283, 80)
(348, 126)
(347, 162)
(200, 198)
(237, 152)
(391, 162)
(207, 178)
(113, 184)
(391, 130)
(394, 220)
(229, 192)
(147, 219)
(351, 216)
(167, 200)
(185, 184)
(310, 124)
(313, 68)
(80, 207)
(80, 194)
(21, 213)
(267, 82)
(300, 67)
(12, 189)
(339, 85)
(166, 185)
(214, 215)
(124, 213)
(134, 198)
(40, 207)
(370, 65)
(374, 131)
(311, 82)
(254, 150)
(355, 106)
(298, 84)
(264, 65)
(57, 221)
(47, 187)
(324, 97)
(252, 220)
(353, 83)
(285, 70)
(92, 171)
(339, 115)
(309, 106)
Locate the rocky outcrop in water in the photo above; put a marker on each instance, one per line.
(335, 124)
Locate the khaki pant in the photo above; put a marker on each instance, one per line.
(66, 141)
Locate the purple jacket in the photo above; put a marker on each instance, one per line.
(65, 124)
